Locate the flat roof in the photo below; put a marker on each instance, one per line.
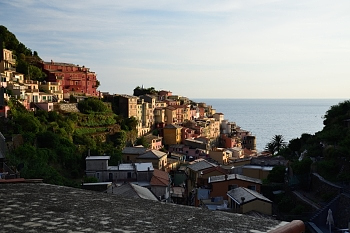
(98, 157)
(141, 167)
(264, 168)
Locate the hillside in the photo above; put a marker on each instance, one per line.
(55, 144)
(328, 148)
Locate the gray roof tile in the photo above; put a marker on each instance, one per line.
(248, 194)
(201, 165)
(134, 150)
(152, 154)
(51, 208)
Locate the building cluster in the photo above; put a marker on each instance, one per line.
(62, 81)
(152, 174)
(180, 122)
(195, 156)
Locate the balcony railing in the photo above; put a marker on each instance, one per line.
(10, 68)
(11, 61)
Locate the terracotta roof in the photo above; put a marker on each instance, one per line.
(160, 178)
(170, 107)
(211, 169)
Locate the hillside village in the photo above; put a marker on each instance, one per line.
(190, 155)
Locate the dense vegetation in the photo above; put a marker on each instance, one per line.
(25, 58)
(55, 144)
(327, 152)
(144, 91)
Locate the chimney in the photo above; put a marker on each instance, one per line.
(242, 198)
(226, 177)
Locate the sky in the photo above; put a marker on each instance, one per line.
(198, 48)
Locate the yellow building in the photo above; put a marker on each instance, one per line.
(256, 171)
(170, 114)
(243, 200)
(172, 134)
(7, 61)
(128, 106)
(221, 155)
(157, 158)
(54, 88)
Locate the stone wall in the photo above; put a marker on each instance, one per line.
(71, 107)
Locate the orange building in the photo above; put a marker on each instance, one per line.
(220, 185)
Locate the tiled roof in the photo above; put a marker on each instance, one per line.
(134, 150)
(172, 126)
(220, 178)
(152, 154)
(160, 178)
(211, 169)
(50, 208)
(201, 165)
(130, 190)
(177, 146)
(248, 194)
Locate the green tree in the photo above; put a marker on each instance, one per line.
(91, 105)
(277, 174)
(119, 139)
(143, 142)
(276, 144)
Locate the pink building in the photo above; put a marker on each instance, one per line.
(229, 142)
(187, 133)
(155, 142)
(188, 151)
(162, 95)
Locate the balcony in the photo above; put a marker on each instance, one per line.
(11, 61)
(56, 92)
(32, 90)
(10, 68)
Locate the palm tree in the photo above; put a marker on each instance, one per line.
(270, 147)
(276, 144)
(279, 142)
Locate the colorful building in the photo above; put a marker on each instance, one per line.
(75, 79)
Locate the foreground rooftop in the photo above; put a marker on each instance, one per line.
(39, 207)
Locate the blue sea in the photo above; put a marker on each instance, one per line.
(265, 118)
